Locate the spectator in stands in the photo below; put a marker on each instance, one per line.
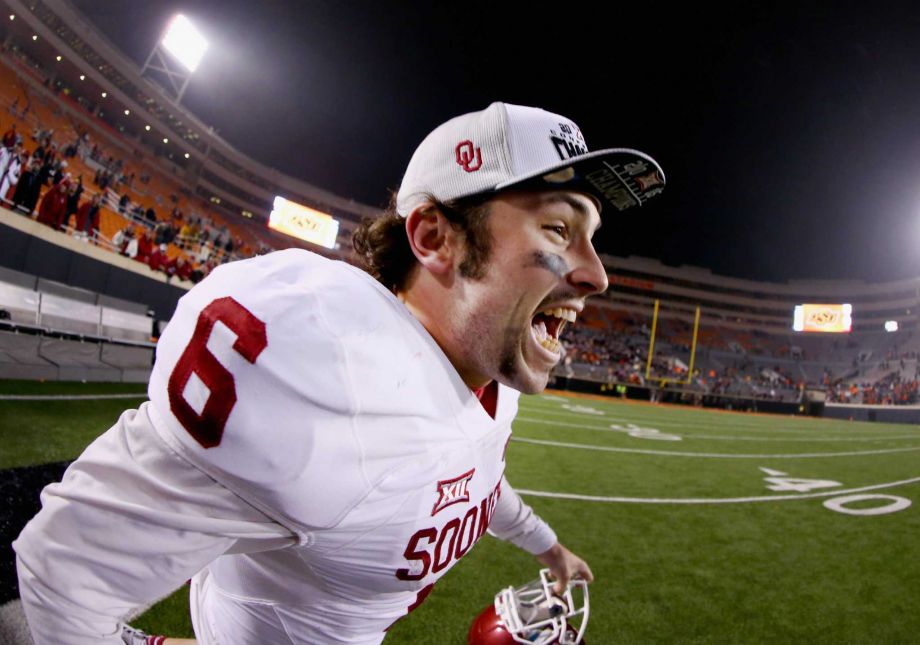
(169, 234)
(169, 268)
(145, 246)
(151, 214)
(45, 173)
(204, 252)
(197, 274)
(73, 199)
(27, 189)
(51, 153)
(125, 242)
(9, 137)
(159, 232)
(104, 179)
(10, 165)
(39, 152)
(158, 259)
(88, 216)
(185, 235)
(59, 168)
(71, 150)
(54, 205)
(183, 268)
(123, 204)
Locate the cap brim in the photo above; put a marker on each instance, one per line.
(620, 177)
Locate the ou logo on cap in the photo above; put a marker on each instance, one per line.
(467, 155)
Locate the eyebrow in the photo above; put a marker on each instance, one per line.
(577, 205)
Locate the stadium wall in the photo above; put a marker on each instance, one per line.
(31, 248)
(881, 413)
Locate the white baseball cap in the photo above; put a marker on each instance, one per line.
(512, 146)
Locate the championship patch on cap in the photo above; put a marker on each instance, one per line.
(507, 147)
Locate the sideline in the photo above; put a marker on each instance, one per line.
(678, 406)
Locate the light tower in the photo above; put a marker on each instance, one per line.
(177, 55)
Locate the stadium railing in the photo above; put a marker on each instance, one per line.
(56, 332)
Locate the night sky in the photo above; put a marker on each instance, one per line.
(789, 133)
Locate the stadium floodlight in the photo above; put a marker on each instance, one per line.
(185, 42)
(177, 55)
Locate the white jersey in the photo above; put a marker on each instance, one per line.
(340, 466)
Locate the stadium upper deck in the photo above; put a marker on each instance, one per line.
(214, 170)
(737, 315)
(747, 304)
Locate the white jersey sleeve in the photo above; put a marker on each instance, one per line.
(515, 522)
(130, 522)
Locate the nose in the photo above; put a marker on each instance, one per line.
(588, 274)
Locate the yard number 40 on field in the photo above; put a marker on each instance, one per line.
(781, 482)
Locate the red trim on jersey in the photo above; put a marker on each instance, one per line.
(488, 397)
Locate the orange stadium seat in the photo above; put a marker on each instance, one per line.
(162, 193)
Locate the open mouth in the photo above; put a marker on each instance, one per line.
(548, 325)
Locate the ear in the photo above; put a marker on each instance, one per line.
(432, 239)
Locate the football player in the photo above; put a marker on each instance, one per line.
(322, 443)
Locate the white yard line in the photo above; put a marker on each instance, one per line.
(710, 424)
(710, 455)
(691, 435)
(624, 416)
(704, 500)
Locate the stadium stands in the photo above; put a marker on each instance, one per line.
(208, 202)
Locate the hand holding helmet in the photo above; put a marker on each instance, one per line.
(534, 614)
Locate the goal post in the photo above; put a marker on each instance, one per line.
(651, 349)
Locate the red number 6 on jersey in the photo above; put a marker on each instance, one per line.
(208, 427)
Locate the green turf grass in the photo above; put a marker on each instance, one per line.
(778, 571)
(14, 386)
(35, 432)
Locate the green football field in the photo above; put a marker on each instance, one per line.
(700, 526)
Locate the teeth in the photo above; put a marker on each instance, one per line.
(551, 344)
(563, 313)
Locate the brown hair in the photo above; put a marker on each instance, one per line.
(382, 247)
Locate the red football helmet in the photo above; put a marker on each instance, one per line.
(534, 615)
